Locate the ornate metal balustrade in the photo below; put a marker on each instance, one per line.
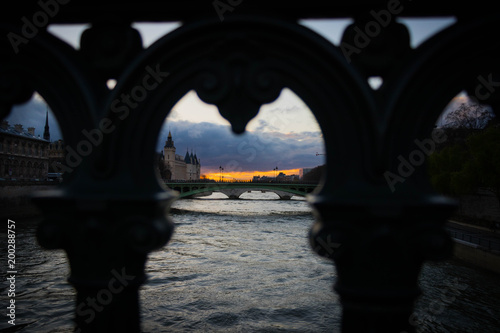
(238, 55)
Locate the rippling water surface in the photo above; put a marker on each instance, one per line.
(244, 266)
(241, 265)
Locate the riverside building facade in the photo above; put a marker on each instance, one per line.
(181, 168)
(23, 156)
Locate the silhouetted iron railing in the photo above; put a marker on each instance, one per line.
(375, 199)
(482, 242)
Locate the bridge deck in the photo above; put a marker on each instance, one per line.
(235, 189)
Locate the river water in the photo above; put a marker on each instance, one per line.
(242, 266)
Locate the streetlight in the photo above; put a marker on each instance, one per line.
(221, 169)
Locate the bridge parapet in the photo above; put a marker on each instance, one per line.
(234, 190)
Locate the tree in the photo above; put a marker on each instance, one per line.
(485, 159)
(444, 166)
(468, 117)
(314, 176)
(162, 169)
(465, 167)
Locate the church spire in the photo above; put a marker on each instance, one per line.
(46, 132)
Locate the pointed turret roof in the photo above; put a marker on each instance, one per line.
(187, 159)
(169, 143)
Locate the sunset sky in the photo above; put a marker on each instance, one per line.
(284, 134)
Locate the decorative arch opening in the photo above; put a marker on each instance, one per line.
(462, 165)
(284, 133)
(264, 81)
(448, 87)
(29, 133)
(462, 45)
(42, 82)
(38, 133)
(218, 82)
(274, 246)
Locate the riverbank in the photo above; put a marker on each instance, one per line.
(476, 245)
(15, 198)
(476, 242)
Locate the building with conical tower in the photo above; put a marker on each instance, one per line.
(181, 168)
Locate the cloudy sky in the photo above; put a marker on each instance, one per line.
(284, 134)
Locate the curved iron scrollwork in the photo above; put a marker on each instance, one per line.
(46, 65)
(112, 211)
(202, 56)
(223, 82)
(452, 61)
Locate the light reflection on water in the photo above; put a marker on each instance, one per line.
(241, 265)
(245, 266)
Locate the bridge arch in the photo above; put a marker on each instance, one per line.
(274, 196)
(237, 192)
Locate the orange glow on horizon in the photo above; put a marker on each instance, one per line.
(245, 175)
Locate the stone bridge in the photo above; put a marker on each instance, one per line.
(234, 190)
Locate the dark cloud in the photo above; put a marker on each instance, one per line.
(214, 144)
(217, 146)
(264, 125)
